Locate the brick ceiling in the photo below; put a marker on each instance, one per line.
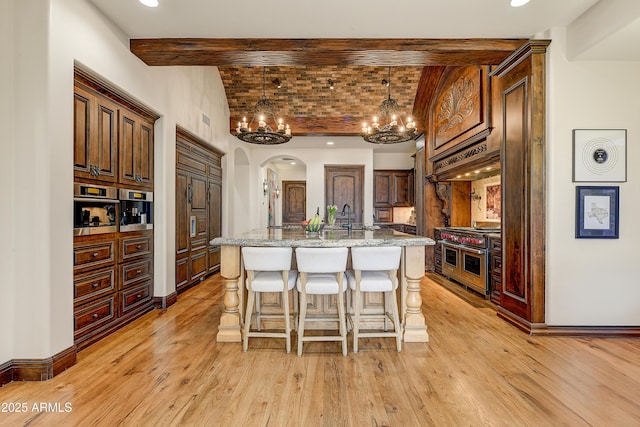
(305, 93)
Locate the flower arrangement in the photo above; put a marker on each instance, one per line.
(331, 210)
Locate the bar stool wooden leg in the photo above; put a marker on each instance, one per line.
(247, 319)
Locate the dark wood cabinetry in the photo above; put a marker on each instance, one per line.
(198, 209)
(113, 272)
(95, 135)
(135, 150)
(106, 268)
(495, 268)
(391, 188)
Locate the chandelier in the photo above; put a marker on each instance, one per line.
(392, 130)
(262, 113)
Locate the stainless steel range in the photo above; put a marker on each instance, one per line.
(462, 255)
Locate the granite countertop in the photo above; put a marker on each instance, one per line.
(327, 238)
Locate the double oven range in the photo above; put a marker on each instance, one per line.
(462, 254)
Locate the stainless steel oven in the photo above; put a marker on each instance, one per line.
(95, 209)
(464, 256)
(136, 210)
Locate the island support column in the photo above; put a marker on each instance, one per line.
(415, 327)
(229, 329)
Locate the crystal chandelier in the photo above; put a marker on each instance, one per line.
(262, 113)
(392, 130)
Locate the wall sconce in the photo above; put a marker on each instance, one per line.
(277, 192)
(277, 83)
(331, 86)
(474, 196)
(265, 187)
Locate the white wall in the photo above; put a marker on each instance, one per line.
(393, 161)
(50, 36)
(6, 178)
(590, 281)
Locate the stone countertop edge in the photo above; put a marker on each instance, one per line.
(326, 239)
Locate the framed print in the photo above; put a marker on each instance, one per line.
(599, 155)
(597, 212)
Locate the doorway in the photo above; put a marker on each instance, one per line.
(294, 202)
(345, 185)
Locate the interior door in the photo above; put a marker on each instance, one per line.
(345, 185)
(294, 202)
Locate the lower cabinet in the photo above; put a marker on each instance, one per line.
(495, 268)
(113, 282)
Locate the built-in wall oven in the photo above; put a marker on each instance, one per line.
(136, 210)
(465, 258)
(95, 209)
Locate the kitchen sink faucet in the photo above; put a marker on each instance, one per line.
(348, 225)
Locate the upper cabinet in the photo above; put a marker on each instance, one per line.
(113, 136)
(391, 188)
(136, 150)
(95, 135)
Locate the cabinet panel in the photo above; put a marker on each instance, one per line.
(91, 285)
(182, 212)
(93, 255)
(384, 214)
(182, 272)
(133, 272)
(381, 189)
(94, 315)
(135, 298)
(400, 193)
(197, 265)
(135, 150)
(95, 135)
(135, 247)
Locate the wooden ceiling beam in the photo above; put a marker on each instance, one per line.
(323, 52)
(329, 126)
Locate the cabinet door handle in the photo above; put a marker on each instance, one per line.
(138, 271)
(95, 254)
(189, 193)
(95, 285)
(138, 246)
(138, 296)
(95, 315)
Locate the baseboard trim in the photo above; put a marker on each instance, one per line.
(162, 303)
(37, 369)
(589, 331)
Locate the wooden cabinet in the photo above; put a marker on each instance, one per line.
(113, 272)
(391, 188)
(95, 135)
(437, 249)
(135, 150)
(495, 269)
(198, 210)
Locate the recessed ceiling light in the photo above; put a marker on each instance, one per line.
(459, 176)
(518, 3)
(292, 163)
(477, 172)
(330, 142)
(149, 3)
(488, 168)
(467, 174)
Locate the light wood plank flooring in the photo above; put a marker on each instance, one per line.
(166, 369)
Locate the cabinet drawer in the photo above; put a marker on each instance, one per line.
(134, 272)
(190, 162)
(384, 214)
(135, 247)
(91, 285)
(93, 255)
(94, 315)
(134, 298)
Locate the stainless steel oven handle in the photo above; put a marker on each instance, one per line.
(93, 200)
(465, 248)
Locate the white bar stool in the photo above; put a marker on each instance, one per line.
(375, 269)
(268, 270)
(322, 273)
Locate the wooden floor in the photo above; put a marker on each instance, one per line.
(477, 370)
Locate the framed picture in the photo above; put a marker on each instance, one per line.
(597, 212)
(599, 155)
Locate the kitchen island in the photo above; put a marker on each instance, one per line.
(410, 273)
